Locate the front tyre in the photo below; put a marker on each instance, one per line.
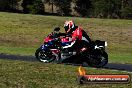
(44, 56)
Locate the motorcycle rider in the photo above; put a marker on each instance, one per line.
(76, 33)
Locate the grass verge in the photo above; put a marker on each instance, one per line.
(20, 74)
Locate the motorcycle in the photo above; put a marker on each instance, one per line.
(60, 50)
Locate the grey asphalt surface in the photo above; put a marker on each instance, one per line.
(113, 66)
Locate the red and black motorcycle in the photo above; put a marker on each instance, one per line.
(60, 49)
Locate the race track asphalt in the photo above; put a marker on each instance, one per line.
(112, 66)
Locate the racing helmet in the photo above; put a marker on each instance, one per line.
(69, 26)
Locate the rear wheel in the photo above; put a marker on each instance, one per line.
(98, 60)
(44, 56)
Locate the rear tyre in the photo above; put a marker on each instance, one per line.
(44, 56)
(99, 61)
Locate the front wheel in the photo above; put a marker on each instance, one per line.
(44, 56)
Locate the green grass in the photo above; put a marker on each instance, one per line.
(120, 58)
(23, 33)
(20, 74)
(17, 50)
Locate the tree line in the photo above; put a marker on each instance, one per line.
(84, 8)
